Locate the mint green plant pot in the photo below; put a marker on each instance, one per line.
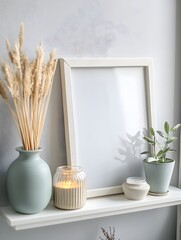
(29, 182)
(158, 176)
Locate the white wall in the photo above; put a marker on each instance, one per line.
(95, 28)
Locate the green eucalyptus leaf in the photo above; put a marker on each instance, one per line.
(166, 150)
(173, 129)
(161, 134)
(162, 160)
(160, 154)
(169, 160)
(152, 131)
(146, 152)
(149, 140)
(171, 139)
(166, 127)
(172, 150)
(151, 159)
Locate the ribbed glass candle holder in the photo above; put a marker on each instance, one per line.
(69, 187)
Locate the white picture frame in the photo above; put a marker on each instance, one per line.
(88, 74)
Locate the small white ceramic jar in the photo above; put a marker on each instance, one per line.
(135, 188)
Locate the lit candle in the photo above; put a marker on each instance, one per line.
(69, 188)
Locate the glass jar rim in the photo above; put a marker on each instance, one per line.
(68, 169)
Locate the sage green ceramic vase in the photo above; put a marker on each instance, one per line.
(158, 176)
(29, 182)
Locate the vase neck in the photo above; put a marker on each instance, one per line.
(29, 153)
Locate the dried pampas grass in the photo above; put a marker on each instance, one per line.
(26, 87)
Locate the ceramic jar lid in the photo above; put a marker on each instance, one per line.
(135, 180)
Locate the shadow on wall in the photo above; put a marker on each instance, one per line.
(129, 153)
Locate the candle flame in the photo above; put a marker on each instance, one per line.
(66, 184)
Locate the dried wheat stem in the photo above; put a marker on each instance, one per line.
(26, 88)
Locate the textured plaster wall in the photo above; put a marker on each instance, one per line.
(95, 28)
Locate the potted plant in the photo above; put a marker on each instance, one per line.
(158, 166)
(25, 87)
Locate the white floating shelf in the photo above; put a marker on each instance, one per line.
(95, 208)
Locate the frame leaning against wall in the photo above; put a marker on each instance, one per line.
(83, 81)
